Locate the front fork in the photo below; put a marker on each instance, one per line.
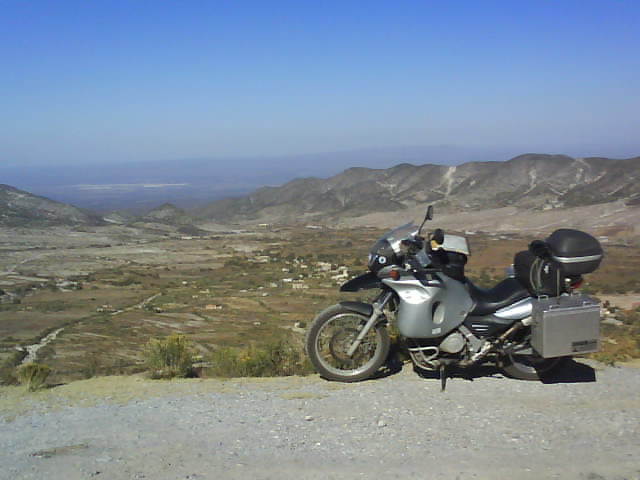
(378, 305)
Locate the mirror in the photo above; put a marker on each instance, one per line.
(429, 215)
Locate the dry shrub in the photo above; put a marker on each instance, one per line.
(168, 358)
(620, 343)
(33, 375)
(276, 359)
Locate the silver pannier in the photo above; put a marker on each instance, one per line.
(565, 325)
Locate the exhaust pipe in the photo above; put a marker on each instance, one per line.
(492, 346)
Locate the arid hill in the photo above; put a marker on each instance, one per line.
(531, 181)
(542, 185)
(22, 209)
(169, 214)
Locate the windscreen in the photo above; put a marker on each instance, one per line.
(398, 234)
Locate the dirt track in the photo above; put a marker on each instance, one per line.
(584, 424)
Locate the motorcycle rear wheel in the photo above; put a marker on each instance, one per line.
(524, 363)
(523, 371)
(331, 334)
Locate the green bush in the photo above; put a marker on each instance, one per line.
(33, 375)
(168, 358)
(276, 359)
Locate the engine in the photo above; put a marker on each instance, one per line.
(453, 343)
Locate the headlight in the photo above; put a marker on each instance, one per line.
(382, 255)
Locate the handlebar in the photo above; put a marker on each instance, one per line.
(422, 272)
(415, 265)
(418, 272)
(413, 244)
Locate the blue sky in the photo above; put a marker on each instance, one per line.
(98, 82)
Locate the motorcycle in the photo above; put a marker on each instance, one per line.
(525, 325)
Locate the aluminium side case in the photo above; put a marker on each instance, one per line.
(565, 325)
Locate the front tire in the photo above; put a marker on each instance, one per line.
(331, 334)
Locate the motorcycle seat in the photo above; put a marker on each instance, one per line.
(508, 291)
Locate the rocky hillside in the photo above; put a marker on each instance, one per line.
(23, 209)
(169, 214)
(20, 208)
(531, 181)
(544, 183)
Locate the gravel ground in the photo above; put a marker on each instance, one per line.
(583, 424)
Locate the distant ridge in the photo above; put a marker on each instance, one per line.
(20, 208)
(169, 214)
(529, 181)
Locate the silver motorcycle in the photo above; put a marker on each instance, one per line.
(525, 325)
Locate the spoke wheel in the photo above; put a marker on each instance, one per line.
(330, 337)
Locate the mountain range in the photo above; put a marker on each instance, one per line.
(531, 181)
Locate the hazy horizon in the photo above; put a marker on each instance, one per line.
(197, 182)
(263, 170)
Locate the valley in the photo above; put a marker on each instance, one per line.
(85, 292)
(112, 289)
(107, 290)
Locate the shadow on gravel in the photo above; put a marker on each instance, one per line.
(469, 373)
(392, 366)
(571, 372)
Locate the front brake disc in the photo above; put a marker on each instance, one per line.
(340, 343)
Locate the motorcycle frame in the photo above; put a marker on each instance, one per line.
(413, 297)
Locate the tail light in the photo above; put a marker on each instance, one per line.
(576, 283)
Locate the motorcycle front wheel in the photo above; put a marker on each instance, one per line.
(328, 340)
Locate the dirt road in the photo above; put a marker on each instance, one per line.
(584, 424)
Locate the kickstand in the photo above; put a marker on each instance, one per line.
(443, 377)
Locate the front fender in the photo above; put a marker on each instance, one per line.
(362, 282)
(365, 309)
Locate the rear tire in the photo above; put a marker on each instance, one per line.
(523, 362)
(329, 337)
(530, 367)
